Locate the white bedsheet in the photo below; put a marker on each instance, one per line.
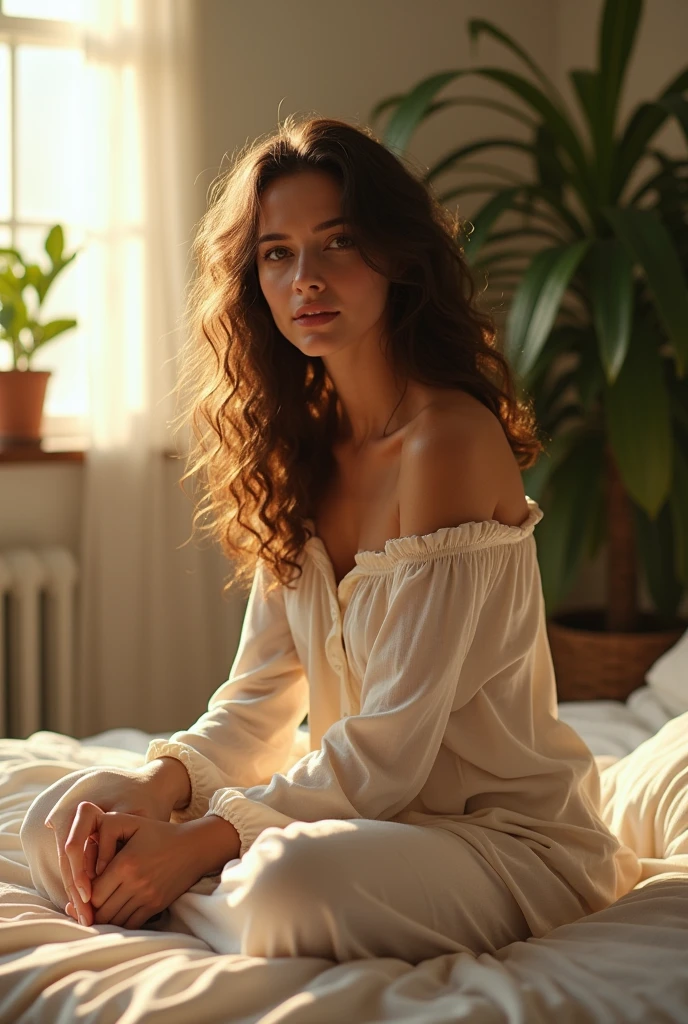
(627, 963)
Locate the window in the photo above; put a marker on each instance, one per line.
(51, 141)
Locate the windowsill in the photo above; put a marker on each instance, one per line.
(63, 449)
(58, 449)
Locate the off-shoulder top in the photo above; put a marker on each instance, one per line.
(429, 686)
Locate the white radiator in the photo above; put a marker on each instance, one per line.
(38, 595)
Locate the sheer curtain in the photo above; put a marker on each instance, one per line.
(155, 632)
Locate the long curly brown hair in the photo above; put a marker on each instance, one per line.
(263, 415)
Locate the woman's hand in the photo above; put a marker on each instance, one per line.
(157, 863)
(141, 791)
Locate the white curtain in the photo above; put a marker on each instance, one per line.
(156, 634)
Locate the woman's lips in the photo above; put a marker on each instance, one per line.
(314, 319)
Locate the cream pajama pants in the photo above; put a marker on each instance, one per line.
(342, 890)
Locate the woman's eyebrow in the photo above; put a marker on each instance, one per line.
(276, 237)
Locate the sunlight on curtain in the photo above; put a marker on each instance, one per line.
(145, 659)
(108, 145)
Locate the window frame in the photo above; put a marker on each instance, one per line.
(16, 31)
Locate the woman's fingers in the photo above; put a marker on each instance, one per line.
(115, 830)
(110, 911)
(86, 821)
(91, 856)
(83, 909)
(60, 828)
(109, 839)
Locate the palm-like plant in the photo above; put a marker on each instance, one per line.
(597, 324)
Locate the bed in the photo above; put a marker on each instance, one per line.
(626, 963)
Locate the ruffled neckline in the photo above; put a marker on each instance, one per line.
(471, 535)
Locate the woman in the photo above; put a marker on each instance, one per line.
(359, 427)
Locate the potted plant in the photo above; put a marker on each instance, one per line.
(23, 288)
(595, 276)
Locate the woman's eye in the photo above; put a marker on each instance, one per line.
(268, 254)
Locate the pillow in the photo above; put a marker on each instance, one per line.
(669, 677)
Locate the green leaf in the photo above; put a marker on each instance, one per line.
(46, 332)
(678, 504)
(559, 127)
(7, 314)
(656, 548)
(484, 220)
(385, 104)
(590, 377)
(487, 168)
(498, 256)
(678, 106)
(535, 478)
(15, 316)
(536, 303)
(54, 244)
(563, 536)
(562, 338)
(678, 392)
(522, 232)
(586, 86)
(610, 284)
(615, 44)
(561, 214)
(479, 26)
(645, 122)
(639, 422)
(451, 160)
(484, 101)
(646, 119)
(598, 523)
(413, 108)
(10, 287)
(33, 275)
(649, 243)
(588, 89)
(549, 168)
(12, 252)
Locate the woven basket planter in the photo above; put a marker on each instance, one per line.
(591, 664)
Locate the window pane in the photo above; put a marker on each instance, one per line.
(56, 10)
(5, 110)
(66, 355)
(51, 157)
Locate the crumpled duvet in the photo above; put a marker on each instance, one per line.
(625, 963)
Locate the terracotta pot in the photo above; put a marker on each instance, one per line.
(592, 664)
(22, 394)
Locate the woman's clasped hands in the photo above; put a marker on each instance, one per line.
(136, 866)
(121, 859)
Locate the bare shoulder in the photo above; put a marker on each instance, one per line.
(456, 467)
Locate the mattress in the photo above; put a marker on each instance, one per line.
(626, 963)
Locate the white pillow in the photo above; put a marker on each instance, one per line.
(669, 677)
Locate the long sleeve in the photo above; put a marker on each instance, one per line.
(372, 764)
(250, 728)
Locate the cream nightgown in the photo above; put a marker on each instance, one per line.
(431, 700)
(437, 803)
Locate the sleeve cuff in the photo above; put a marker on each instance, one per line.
(198, 804)
(249, 817)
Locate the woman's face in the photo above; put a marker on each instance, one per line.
(316, 264)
